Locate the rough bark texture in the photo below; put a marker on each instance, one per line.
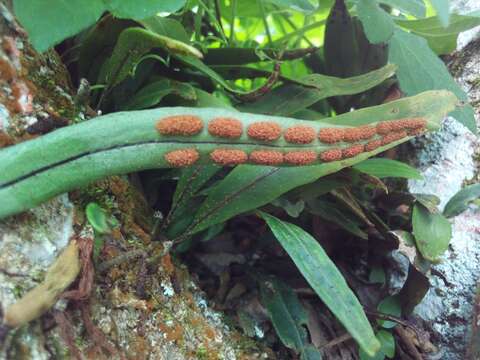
(144, 309)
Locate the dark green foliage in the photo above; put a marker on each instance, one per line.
(225, 54)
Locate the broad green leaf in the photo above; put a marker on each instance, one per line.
(459, 202)
(49, 23)
(381, 168)
(205, 99)
(378, 25)
(442, 7)
(286, 313)
(154, 92)
(97, 217)
(298, 5)
(244, 8)
(388, 343)
(387, 347)
(442, 40)
(378, 356)
(430, 201)
(310, 352)
(432, 232)
(141, 9)
(412, 7)
(391, 305)
(291, 98)
(166, 27)
(248, 187)
(149, 95)
(419, 69)
(327, 281)
(131, 45)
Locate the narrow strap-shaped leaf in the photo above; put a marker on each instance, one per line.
(327, 281)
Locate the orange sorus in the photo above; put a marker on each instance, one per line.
(415, 132)
(185, 125)
(225, 128)
(264, 131)
(228, 156)
(394, 136)
(299, 134)
(330, 135)
(372, 145)
(266, 157)
(331, 155)
(183, 157)
(359, 133)
(300, 157)
(415, 123)
(385, 127)
(353, 150)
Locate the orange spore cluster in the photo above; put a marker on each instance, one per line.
(394, 136)
(415, 132)
(226, 128)
(372, 145)
(359, 133)
(300, 157)
(299, 134)
(183, 157)
(330, 135)
(185, 125)
(352, 151)
(266, 157)
(264, 131)
(331, 155)
(386, 127)
(228, 156)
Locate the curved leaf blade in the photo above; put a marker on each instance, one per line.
(378, 25)
(141, 9)
(59, 19)
(327, 281)
(248, 187)
(459, 202)
(286, 313)
(432, 232)
(290, 98)
(381, 168)
(420, 69)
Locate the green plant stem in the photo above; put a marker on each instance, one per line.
(232, 21)
(265, 22)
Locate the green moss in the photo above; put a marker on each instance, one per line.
(202, 353)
